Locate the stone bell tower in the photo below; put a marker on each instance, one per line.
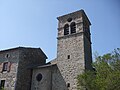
(74, 46)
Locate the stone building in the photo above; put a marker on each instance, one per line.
(24, 68)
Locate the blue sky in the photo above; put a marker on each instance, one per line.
(33, 23)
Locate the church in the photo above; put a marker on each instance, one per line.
(25, 68)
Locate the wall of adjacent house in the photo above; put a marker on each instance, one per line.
(28, 58)
(12, 58)
(15, 67)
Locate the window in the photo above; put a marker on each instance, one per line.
(2, 83)
(39, 77)
(7, 55)
(68, 84)
(68, 56)
(5, 66)
(69, 19)
(66, 29)
(73, 27)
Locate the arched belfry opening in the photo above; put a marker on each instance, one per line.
(66, 29)
(73, 27)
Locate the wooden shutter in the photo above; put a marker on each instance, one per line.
(1, 67)
(9, 66)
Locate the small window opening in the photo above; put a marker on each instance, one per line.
(2, 84)
(69, 19)
(68, 84)
(68, 57)
(39, 77)
(73, 27)
(66, 29)
(5, 66)
(7, 55)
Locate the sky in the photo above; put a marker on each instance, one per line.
(33, 23)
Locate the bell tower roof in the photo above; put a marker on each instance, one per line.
(74, 15)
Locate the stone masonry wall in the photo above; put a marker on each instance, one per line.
(72, 57)
(70, 68)
(45, 82)
(12, 57)
(28, 58)
(51, 78)
(58, 82)
(88, 54)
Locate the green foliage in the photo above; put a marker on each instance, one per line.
(106, 75)
(2, 88)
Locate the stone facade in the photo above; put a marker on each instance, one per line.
(12, 58)
(51, 78)
(73, 50)
(44, 83)
(28, 58)
(20, 60)
(29, 70)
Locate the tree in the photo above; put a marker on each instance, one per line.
(106, 73)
